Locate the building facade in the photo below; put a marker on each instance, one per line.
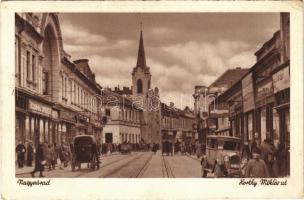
(178, 125)
(259, 103)
(55, 100)
(124, 119)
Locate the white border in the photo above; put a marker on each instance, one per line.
(74, 188)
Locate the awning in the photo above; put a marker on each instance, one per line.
(281, 106)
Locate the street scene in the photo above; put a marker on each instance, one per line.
(133, 165)
(152, 95)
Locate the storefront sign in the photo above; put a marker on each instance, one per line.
(66, 115)
(264, 91)
(55, 114)
(40, 108)
(247, 92)
(281, 80)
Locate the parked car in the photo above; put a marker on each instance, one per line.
(223, 156)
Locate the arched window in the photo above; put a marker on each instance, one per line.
(139, 86)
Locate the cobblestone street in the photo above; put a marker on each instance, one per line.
(133, 165)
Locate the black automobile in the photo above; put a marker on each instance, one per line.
(84, 150)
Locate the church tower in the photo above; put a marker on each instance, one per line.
(141, 76)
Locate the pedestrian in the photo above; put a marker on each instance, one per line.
(20, 150)
(39, 161)
(267, 154)
(46, 154)
(256, 167)
(154, 148)
(204, 164)
(281, 158)
(56, 152)
(252, 145)
(67, 154)
(198, 149)
(61, 156)
(51, 162)
(246, 151)
(30, 154)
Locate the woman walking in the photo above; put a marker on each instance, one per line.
(30, 154)
(39, 161)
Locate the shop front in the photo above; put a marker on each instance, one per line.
(36, 120)
(281, 83)
(264, 103)
(236, 116)
(67, 125)
(248, 107)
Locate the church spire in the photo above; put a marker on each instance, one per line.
(141, 58)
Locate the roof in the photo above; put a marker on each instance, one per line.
(141, 58)
(112, 98)
(229, 77)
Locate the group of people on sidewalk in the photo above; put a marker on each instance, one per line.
(45, 156)
(265, 160)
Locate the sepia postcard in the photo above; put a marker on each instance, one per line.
(151, 100)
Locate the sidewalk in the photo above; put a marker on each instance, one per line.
(27, 169)
(194, 157)
(24, 170)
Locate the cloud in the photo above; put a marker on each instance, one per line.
(80, 36)
(182, 50)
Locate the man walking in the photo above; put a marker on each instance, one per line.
(20, 150)
(256, 167)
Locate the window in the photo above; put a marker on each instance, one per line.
(108, 112)
(65, 87)
(17, 63)
(75, 92)
(33, 67)
(62, 85)
(109, 137)
(78, 95)
(28, 65)
(139, 86)
(44, 83)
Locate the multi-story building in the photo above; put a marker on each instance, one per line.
(55, 97)
(209, 115)
(178, 125)
(259, 102)
(123, 119)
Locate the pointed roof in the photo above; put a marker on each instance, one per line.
(141, 58)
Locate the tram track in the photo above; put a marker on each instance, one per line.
(115, 170)
(142, 170)
(168, 170)
(108, 164)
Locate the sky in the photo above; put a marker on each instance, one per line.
(182, 49)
